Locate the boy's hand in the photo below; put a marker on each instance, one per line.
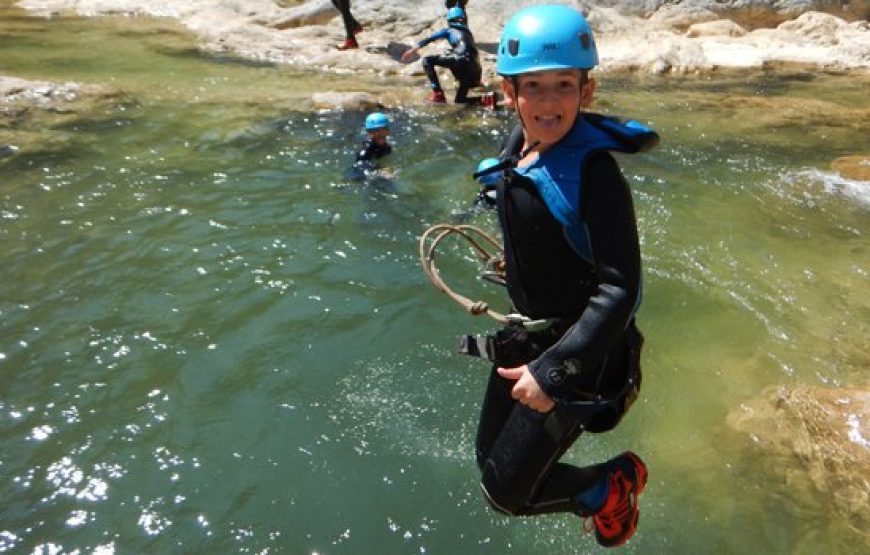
(526, 390)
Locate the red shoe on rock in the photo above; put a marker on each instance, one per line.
(348, 44)
(437, 97)
(489, 100)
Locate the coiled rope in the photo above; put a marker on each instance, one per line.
(488, 252)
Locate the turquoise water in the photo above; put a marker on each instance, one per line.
(211, 341)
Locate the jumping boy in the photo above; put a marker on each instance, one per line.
(461, 59)
(570, 359)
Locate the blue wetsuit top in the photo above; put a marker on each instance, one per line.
(461, 41)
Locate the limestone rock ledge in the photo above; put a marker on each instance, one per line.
(31, 110)
(679, 38)
(819, 437)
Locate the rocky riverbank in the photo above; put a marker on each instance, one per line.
(633, 35)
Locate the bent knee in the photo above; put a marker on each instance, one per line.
(502, 499)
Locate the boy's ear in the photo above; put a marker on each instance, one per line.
(507, 87)
(588, 92)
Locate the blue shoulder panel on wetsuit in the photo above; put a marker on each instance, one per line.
(557, 172)
(631, 135)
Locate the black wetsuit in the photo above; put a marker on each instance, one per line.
(591, 349)
(462, 60)
(451, 3)
(371, 150)
(350, 24)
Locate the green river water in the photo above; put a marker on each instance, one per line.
(211, 342)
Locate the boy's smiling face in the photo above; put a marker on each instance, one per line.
(379, 135)
(548, 102)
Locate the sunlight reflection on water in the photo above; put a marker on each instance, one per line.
(215, 341)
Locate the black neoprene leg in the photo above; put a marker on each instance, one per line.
(518, 451)
(468, 76)
(343, 6)
(461, 93)
(429, 63)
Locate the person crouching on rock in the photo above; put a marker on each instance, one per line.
(461, 59)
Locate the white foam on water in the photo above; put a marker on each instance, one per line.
(834, 184)
(854, 423)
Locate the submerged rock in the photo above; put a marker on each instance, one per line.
(853, 167)
(40, 93)
(345, 101)
(34, 113)
(819, 437)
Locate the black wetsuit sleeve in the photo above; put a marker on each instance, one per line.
(608, 211)
(367, 152)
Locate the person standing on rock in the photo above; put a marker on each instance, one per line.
(352, 27)
(568, 360)
(461, 59)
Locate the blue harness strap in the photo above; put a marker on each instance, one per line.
(557, 172)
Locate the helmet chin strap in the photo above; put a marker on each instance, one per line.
(515, 85)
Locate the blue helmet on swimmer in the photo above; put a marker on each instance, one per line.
(488, 179)
(377, 120)
(456, 14)
(541, 38)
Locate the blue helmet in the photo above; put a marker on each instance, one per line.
(455, 13)
(489, 179)
(377, 120)
(541, 38)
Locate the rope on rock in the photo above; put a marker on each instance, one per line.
(488, 251)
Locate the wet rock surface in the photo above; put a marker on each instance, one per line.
(820, 442)
(31, 112)
(632, 35)
(855, 167)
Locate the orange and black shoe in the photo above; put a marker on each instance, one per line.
(616, 521)
(437, 97)
(348, 44)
